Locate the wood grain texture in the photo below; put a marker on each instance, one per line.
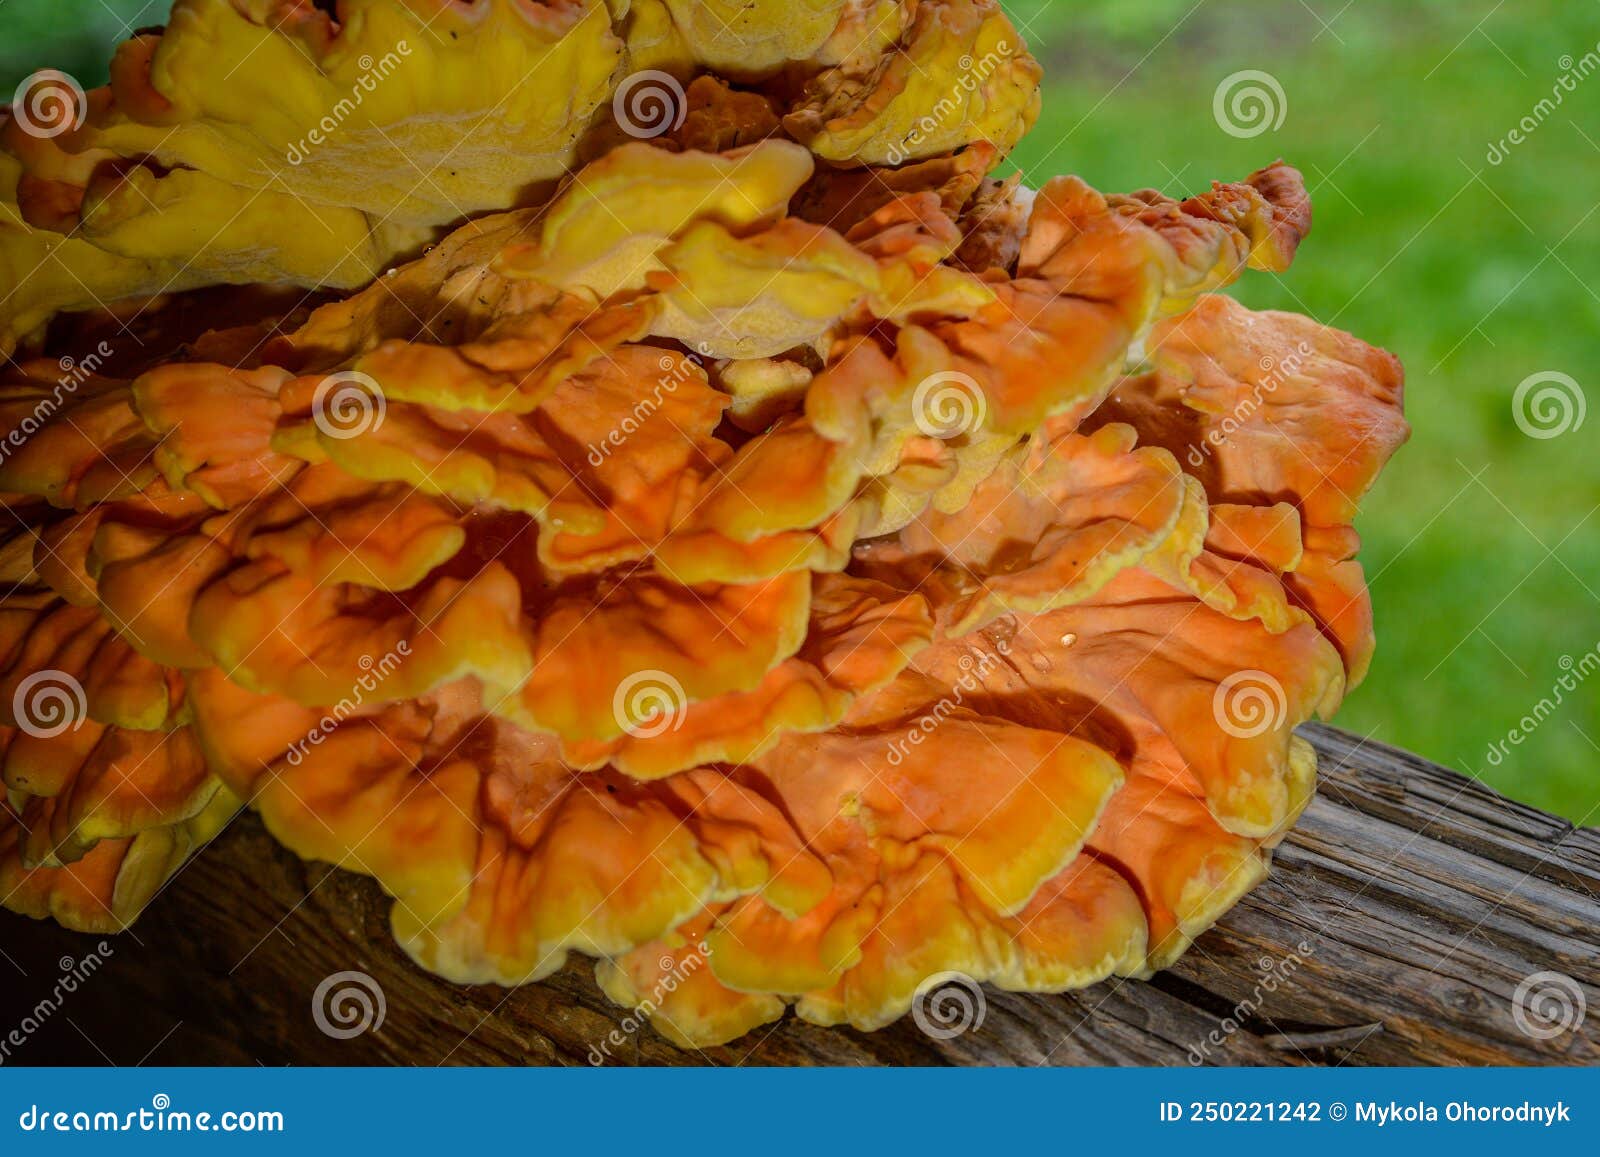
(1399, 920)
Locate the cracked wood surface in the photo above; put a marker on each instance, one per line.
(1400, 918)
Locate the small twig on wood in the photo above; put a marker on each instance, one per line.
(1298, 1041)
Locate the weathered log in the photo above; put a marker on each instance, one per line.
(1400, 919)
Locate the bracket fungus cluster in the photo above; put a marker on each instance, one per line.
(721, 517)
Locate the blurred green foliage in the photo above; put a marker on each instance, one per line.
(1482, 544)
(75, 36)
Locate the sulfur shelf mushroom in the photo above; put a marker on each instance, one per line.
(771, 553)
(375, 124)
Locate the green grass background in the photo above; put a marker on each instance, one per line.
(1482, 544)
